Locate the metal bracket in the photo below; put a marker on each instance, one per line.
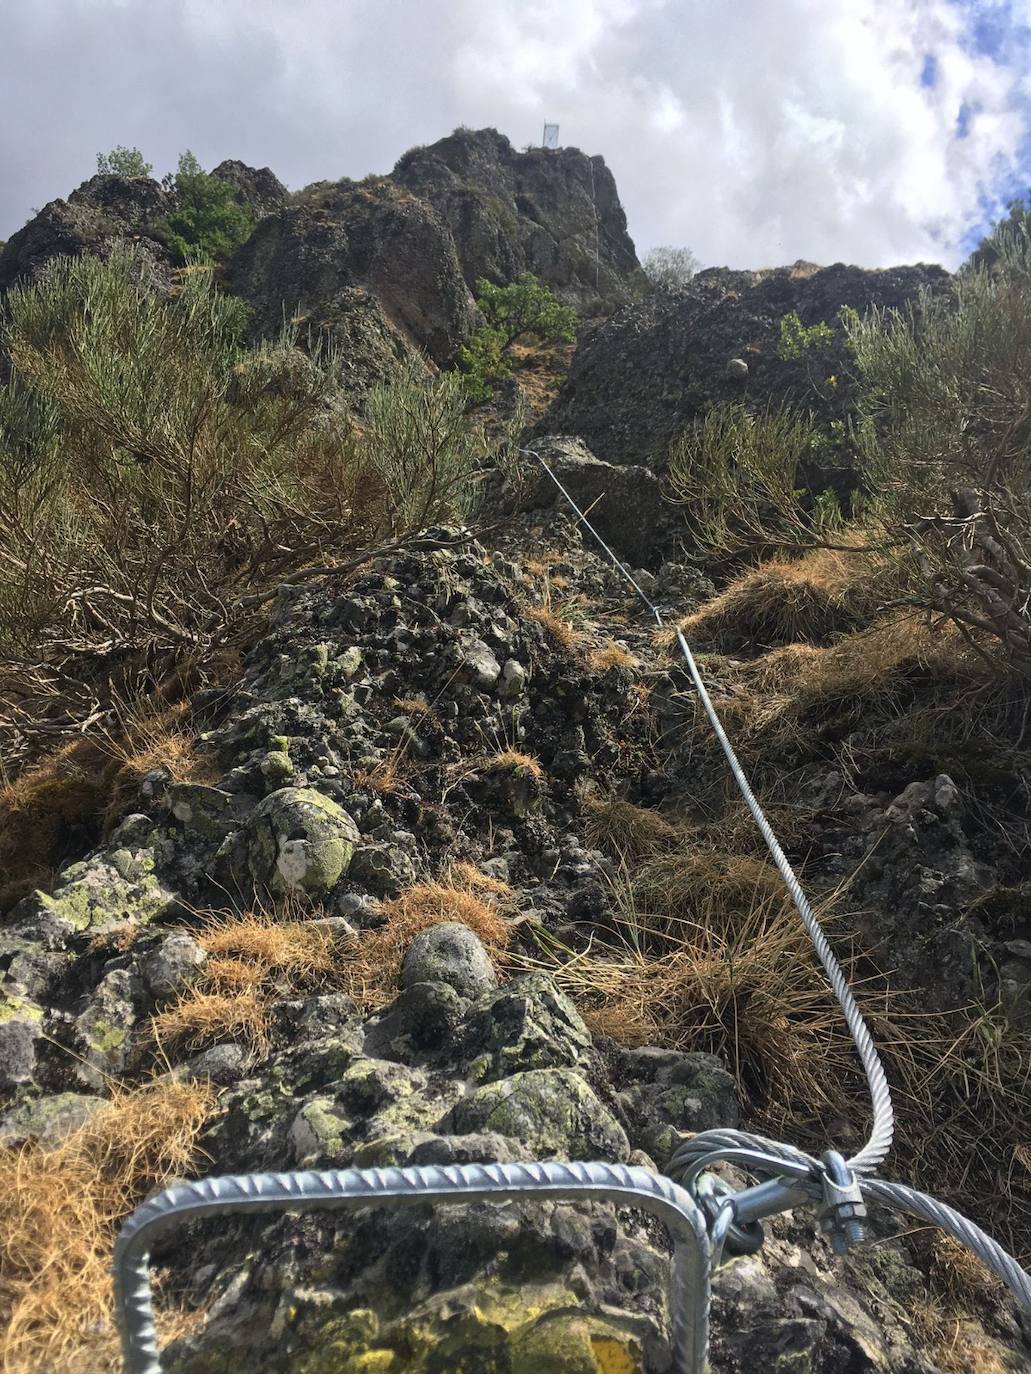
(843, 1211)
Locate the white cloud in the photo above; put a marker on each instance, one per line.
(756, 132)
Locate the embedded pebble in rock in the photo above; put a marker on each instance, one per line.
(478, 660)
(449, 953)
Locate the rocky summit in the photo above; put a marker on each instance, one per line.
(372, 820)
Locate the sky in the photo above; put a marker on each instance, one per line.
(755, 132)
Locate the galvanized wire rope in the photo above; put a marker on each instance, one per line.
(799, 1175)
(879, 1143)
(305, 1190)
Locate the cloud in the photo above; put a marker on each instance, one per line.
(874, 131)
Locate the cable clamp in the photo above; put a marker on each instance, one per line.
(842, 1212)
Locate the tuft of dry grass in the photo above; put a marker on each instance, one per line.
(513, 761)
(560, 630)
(199, 1019)
(789, 601)
(254, 956)
(50, 809)
(59, 1212)
(385, 778)
(612, 655)
(628, 832)
(464, 895)
(299, 955)
(152, 739)
(743, 984)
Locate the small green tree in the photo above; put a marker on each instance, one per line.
(526, 308)
(123, 162)
(668, 269)
(208, 223)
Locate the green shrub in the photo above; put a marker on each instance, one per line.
(668, 269)
(741, 478)
(797, 339)
(124, 162)
(151, 467)
(525, 309)
(207, 223)
(946, 444)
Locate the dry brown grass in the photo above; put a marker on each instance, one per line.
(612, 655)
(385, 778)
(464, 894)
(513, 761)
(789, 601)
(744, 985)
(558, 628)
(254, 957)
(628, 832)
(62, 805)
(298, 955)
(59, 1211)
(199, 1019)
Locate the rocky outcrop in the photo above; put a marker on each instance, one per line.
(366, 251)
(555, 213)
(103, 211)
(257, 188)
(641, 377)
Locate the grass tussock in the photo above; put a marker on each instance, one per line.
(628, 832)
(59, 1212)
(49, 812)
(464, 895)
(612, 655)
(739, 981)
(792, 601)
(200, 1019)
(254, 957)
(513, 761)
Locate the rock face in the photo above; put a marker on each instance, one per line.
(625, 500)
(555, 213)
(640, 378)
(103, 211)
(258, 188)
(369, 249)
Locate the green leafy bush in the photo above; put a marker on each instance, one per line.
(525, 309)
(207, 223)
(124, 162)
(797, 339)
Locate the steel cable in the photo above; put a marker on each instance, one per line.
(879, 1142)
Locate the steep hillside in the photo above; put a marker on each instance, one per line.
(356, 812)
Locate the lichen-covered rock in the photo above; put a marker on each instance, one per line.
(116, 885)
(48, 1119)
(449, 953)
(554, 1111)
(102, 1030)
(299, 838)
(171, 965)
(526, 1024)
(20, 1030)
(671, 1094)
